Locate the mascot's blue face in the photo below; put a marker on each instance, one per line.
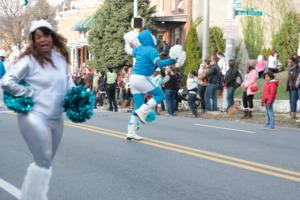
(146, 39)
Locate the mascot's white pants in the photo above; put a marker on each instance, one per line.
(141, 85)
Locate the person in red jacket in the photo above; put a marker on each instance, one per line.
(268, 98)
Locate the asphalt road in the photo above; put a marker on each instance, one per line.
(180, 159)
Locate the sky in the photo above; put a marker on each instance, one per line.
(54, 2)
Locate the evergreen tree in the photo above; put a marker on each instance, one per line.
(192, 49)
(216, 41)
(253, 35)
(286, 41)
(111, 22)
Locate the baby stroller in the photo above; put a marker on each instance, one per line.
(183, 96)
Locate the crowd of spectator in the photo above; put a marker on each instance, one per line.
(214, 81)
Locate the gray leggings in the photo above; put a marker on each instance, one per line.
(42, 136)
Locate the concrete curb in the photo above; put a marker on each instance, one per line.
(282, 106)
(279, 106)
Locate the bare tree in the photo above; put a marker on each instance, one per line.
(12, 20)
(15, 19)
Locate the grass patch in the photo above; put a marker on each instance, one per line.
(281, 93)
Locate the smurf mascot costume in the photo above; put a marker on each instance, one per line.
(146, 61)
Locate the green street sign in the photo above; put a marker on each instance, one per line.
(249, 12)
(237, 5)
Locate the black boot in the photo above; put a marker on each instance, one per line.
(249, 116)
(245, 114)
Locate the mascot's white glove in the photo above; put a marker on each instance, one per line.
(177, 53)
(131, 41)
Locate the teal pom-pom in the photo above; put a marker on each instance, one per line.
(18, 104)
(151, 116)
(79, 104)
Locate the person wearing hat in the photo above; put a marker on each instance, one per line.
(44, 66)
(111, 84)
(250, 88)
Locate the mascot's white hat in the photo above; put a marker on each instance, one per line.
(38, 24)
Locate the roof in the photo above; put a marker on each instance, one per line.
(173, 18)
(83, 25)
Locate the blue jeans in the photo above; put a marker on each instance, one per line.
(192, 103)
(230, 96)
(293, 100)
(210, 94)
(170, 101)
(270, 117)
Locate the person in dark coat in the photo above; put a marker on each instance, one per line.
(230, 82)
(213, 76)
(293, 72)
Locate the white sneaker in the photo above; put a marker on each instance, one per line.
(143, 112)
(131, 133)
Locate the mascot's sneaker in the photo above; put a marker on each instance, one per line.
(146, 114)
(131, 134)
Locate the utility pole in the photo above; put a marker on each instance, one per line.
(205, 30)
(135, 8)
(230, 46)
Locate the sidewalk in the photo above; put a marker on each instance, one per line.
(282, 115)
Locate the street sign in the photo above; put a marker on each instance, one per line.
(230, 29)
(249, 12)
(237, 5)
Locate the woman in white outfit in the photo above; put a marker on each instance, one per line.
(44, 66)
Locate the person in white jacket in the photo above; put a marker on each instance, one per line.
(224, 67)
(273, 62)
(44, 66)
(192, 84)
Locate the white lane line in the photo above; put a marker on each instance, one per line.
(10, 188)
(5, 111)
(223, 128)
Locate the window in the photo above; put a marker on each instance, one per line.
(162, 6)
(173, 5)
(180, 5)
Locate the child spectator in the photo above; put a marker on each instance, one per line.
(268, 98)
(192, 87)
(158, 80)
